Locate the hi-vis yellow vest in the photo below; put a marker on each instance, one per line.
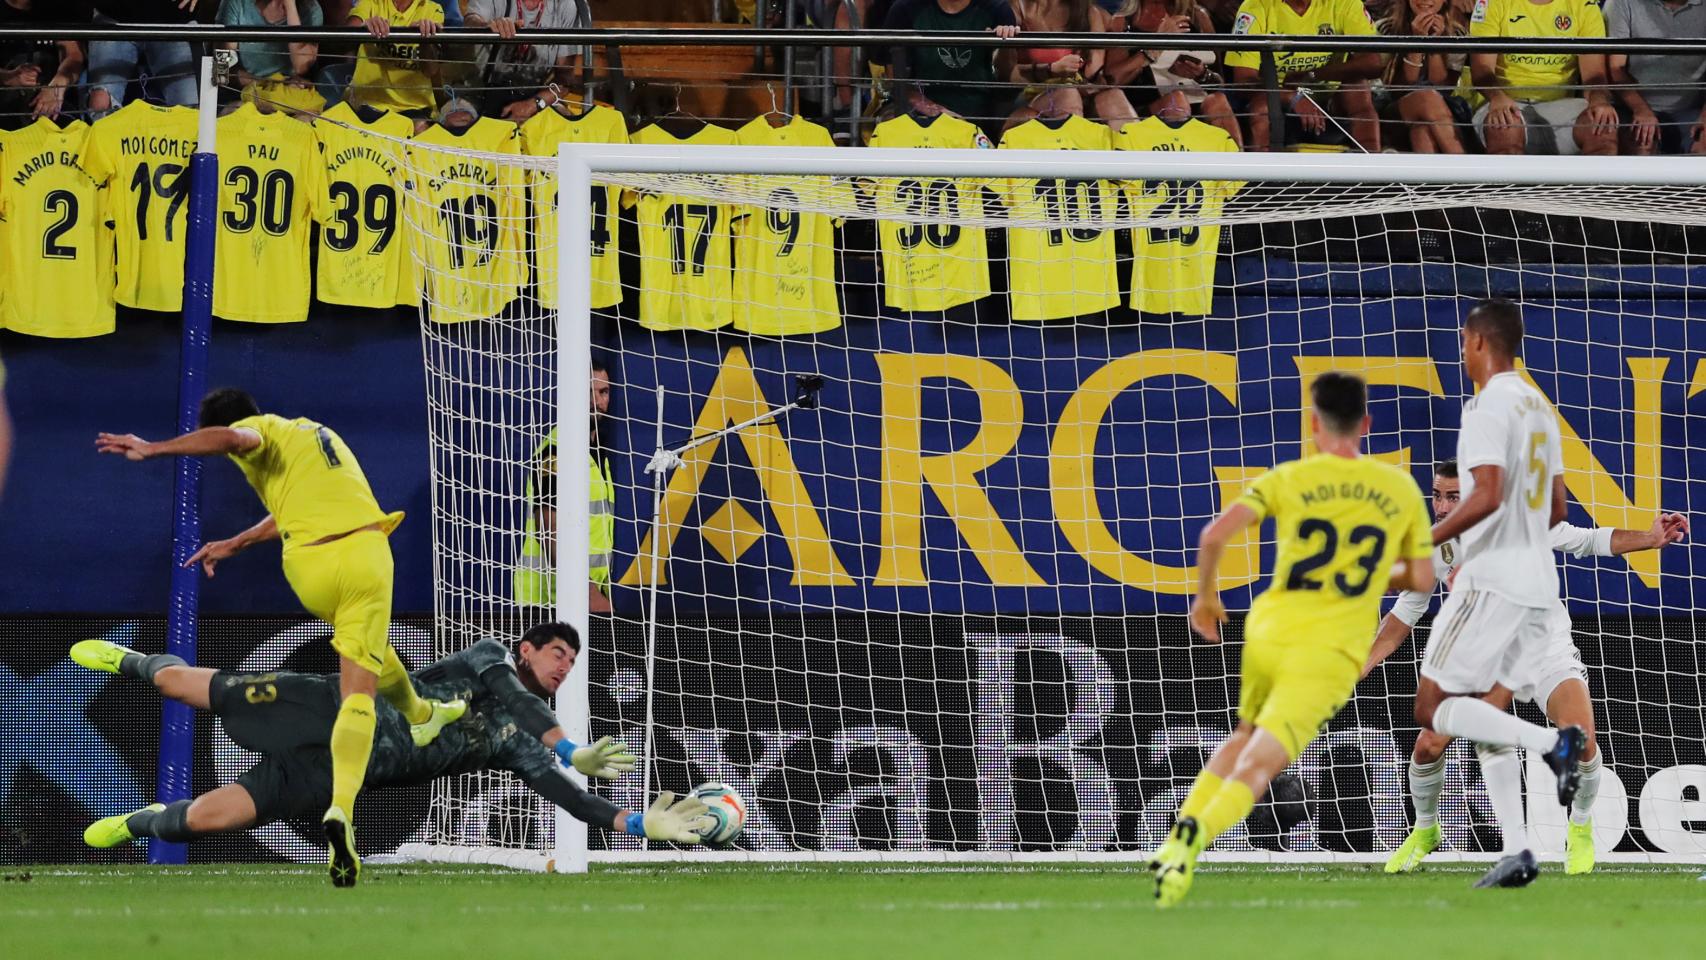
(535, 576)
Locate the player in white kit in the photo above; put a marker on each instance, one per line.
(1493, 627)
(1557, 682)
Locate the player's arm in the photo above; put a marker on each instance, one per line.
(211, 553)
(1413, 575)
(1482, 503)
(668, 819)
(606, 759)
(1667, 528)
(1393, 632)
(1207, 612)
(206, 442)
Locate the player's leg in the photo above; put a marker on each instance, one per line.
(1426, 778)
(221, 810)
(1559, 686)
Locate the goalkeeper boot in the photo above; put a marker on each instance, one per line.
(1578, 849)
(1175, 863)
(1421, 842)
(100, 655)
(444, 713)
(1513, 870)
(1563, 757)
(112, 831)
(340, 846)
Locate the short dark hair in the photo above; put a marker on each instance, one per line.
(1446, 468)
(544, 634)
(599, 365)
(225, 406)
(1500, 321)
(1341, 399)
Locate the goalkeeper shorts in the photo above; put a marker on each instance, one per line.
(347, 583)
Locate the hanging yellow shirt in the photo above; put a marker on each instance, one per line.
(362, 253)
(785, 254)
(54, 241)
(271, 187)
(1063, 271)
(308, 479)
(468, 216)
(140, 156)
(541, 135)
(1534, 76)
(1173, 269)
(686, 249)
(389, 73)
(940, 263)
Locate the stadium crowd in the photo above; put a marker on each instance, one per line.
(1506, 103)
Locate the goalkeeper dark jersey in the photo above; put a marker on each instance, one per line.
(287, 718)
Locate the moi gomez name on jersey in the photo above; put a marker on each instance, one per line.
(1079, 481)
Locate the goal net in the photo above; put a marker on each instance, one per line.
(938, 613)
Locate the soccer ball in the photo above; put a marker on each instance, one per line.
(727, 812)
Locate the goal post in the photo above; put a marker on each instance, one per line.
(940, 618)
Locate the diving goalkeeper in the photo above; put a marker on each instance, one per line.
(287, 718)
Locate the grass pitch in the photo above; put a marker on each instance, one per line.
(867, 912)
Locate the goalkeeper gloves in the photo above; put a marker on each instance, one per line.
(670, 820)
(607, 759)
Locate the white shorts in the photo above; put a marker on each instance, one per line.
(1481, 639)
(1551, 125)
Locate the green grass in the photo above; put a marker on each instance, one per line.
(869, 912)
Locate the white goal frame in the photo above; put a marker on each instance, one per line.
(577, 166)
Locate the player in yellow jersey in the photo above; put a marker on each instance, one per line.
(1348, 528)
(338, 560)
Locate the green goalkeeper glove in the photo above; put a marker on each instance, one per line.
(607, 759)
(671, 820)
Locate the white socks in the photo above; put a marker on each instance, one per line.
(1581, 811)
(1502, 770)
(1425, 783)
(1480, 722)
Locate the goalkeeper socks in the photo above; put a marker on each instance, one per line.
(1501, 768)
(143, 666)
(1202, 791)
(399, 691)
(170, 824)
(352, 744)
(1232, 804)
(1581, 809)
(1425, 783)
(1478, 721)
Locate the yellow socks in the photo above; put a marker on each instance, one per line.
(1202, 791)
(399, 692)
(1232, 804)
(352, 744)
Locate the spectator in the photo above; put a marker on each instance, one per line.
(1527, 102)
(293, 62)
(1307, 79)
(166, 67)
(513, 80)
(535, 574)
(957, 80)
(1149, 76)
(396, 76)
(1663, 107)
(1057, 77)
(36, 76)
(1431, 110)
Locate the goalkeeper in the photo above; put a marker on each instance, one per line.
(287, 718)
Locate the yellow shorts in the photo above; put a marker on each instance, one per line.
(347, 583)
(1292, 690)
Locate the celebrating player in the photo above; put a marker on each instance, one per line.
(1347, 527)
(337, 557)
(1558, 684)
(1494, 627)
(289, 719)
